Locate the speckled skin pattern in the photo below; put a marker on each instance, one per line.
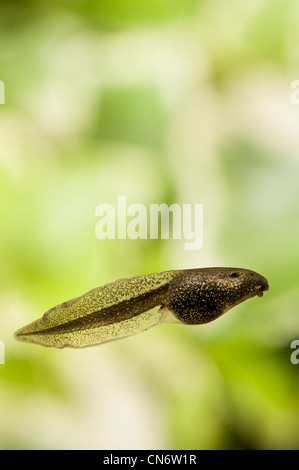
(202, 295)
(129, 306)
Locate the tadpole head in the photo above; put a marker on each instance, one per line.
(202, 295)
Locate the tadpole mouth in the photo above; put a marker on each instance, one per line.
(263, 288)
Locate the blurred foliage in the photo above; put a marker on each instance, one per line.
(132, 114)
(161, 101)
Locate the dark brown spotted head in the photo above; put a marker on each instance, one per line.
(199, 296)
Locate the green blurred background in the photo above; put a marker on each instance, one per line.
(183, 101)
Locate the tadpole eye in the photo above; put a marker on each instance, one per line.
(234, 274)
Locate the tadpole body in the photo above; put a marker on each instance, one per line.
(131, 305)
